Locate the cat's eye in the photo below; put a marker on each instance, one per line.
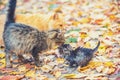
(60, 25)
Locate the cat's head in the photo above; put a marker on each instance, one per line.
(56, 21)
(55, 38)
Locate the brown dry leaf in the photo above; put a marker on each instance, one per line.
(111, 71)
(83, 69)
(56, 73)
(101, 78)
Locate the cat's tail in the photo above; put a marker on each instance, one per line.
(96, 48)
(10, 12)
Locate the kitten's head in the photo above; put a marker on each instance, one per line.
(65, 50)
(55, 38)
(56, 21)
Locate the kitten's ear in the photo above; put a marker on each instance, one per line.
(52, 34)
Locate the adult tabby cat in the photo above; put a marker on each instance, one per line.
(42, 22)
(22, 39)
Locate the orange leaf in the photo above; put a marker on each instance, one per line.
(11, 77)
(112, 17)
(98, 21)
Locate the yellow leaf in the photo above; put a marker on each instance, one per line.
(60, 60)
(109, 33)
(80, 13)
(109, 64)
(46, 68)
(85, 20)
(87, 44)
(22, 68)
(70, 76)
(83, 35)
(14, 72)
(75, 23)
(2, 63)
(2, 55)
(94, 64)
(30, 73)
(102, 49)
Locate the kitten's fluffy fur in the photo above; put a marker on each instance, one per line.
(78, 57)
(22, 39)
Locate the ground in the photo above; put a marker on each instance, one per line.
(87, 21)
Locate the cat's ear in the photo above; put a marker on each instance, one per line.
(52, 34)
(55, 16)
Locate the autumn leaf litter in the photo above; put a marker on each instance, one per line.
(87, 22)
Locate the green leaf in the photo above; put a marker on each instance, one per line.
(71, 40)
(72, 30)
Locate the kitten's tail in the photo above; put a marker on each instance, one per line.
(96, 48)
(10, 12)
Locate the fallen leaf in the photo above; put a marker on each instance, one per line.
(46, 68)
(2, 55)
(56, 73)
(30, 73)
(60, 60)
(98, 21)
(22, 68)
(12, 77)
(83, 35)
(70, 76)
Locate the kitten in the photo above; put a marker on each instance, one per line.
(78, 57)
(22, 39)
